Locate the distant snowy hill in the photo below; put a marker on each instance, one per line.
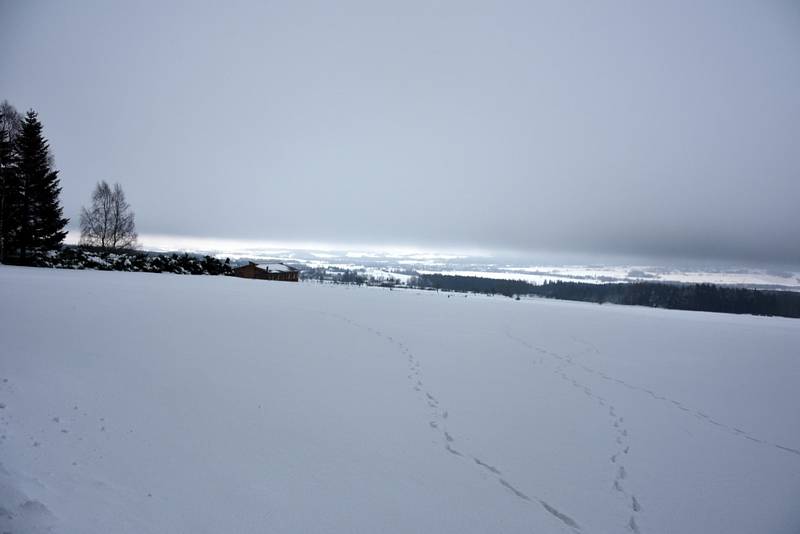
(150, 403)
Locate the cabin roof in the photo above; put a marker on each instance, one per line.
(276, 267)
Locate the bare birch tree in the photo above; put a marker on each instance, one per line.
(10, 120)
(109, 223)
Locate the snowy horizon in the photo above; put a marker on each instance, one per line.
(385, 261)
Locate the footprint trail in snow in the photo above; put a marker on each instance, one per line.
(699, 414)
(616, 426)
(438, 424)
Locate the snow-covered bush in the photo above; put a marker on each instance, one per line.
(78, 258)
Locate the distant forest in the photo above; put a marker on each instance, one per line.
(696, 297)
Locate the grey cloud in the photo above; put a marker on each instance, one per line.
(663, 130)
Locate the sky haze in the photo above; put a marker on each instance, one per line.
(665, 130)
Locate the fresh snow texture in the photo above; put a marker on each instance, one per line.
(150, 403)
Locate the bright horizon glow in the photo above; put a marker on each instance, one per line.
(248, 247)
(454, 261)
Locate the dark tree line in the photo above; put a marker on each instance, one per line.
(489, 286)
(31, 216)
(696, 297)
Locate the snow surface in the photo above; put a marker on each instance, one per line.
(145, 403)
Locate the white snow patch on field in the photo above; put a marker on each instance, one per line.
(160, 403)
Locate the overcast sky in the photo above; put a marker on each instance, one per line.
(667, 129)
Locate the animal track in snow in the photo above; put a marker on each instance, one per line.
(451, 450)
(433, 402)
(699, 414)
(616, 422)
(563, 517)
(491, 468)
(514, 490)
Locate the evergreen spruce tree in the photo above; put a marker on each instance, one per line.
(41, 215)
(8, 193)
(10, 126)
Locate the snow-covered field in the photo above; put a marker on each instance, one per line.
(161, 403)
